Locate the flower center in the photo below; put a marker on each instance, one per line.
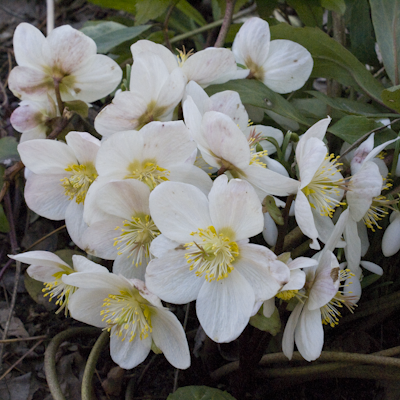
(255, 157)
(59, 289)
(183, 56)
(127, 314)
(211, 254)
(287, 294)
(324, 191)
(136, 237)
(77, 185)
(148, 172)
(256, 71)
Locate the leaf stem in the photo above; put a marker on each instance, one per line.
(230, 5)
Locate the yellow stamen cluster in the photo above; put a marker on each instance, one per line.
(323, 190)
(126, 314)
(183, 56)
(212, 254)
(148, 172)
(286, 295)
(136, 237)
(256, 157)
(78, 183)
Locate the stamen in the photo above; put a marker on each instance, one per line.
(148, 172)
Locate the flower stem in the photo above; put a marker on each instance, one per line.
(230, 5)
(60, 103)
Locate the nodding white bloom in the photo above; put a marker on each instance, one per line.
(135, 318)
(153, 94)
(159, 152)
(204, 255)
(223, 145)
(125, 229)
(62, 175)
(66, 58)
(320, 186)
(391, 237)
(282, 65)
(34, 118)
(206, 67)
(48, 268)
(324, 296)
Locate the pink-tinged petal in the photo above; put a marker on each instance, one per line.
(224, 307)
(309, 335)
(254, 265)
(192, 175)
(372, 267)
(212, 65)
(123, 266)
(28, 42)
(46, 156)
(122, 114)
(391, 238)
(161, 245)
(251, 44)
(67, 49)
(170, 278)
(118, 151)
(225, 140)
(235, 206)
(178, 210)
(75, 224)
(228, 102)
(123, 199)
(147, 46)
(45, 196)
(171, 93)
(269, 182)
(305, 219)
(167, 142)
(27, 116)
(363, 187)
(29, 83)
(128, 354)
(269, 307)
(84, 145)
(169, 336)
(82, 264)
(287, 67)
(85, 306)
(288, 334)
(96, 79)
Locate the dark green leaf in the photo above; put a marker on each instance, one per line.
(339, 6)
(257, 94)
(79, 107)
(369, 280)
(310, 12)
(271, 324)
(386, 20)
(109, 34)
(125, 5)
(4, 225)
(191, 12)
(266, 8)
(199, 393)
(270, 206)
(8, 149)
(150, 9)
(331, 59)
(391, 97)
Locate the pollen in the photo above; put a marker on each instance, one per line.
(148, 172)
(78, 183)
(183, 56)
(211, 254)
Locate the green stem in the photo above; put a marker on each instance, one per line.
(50, 358)
(91, 365)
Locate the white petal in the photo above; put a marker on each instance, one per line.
(372, 267)
(288, 334)
(28, 42)
(161, 245)
(192, 175)
(82, 264)
(84, 145)
(76, 226)
(391, 238)
(123, 266)
(270, 231)
(269, 307)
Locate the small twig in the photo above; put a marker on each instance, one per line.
(45, 237)
(24, 339)
(230, 5)
(282, 229)
(365, 137)
(21, 358)
(165, 25)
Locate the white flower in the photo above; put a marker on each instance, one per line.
(62, 175)
(135, 318)
(125, 229)
(204, 255)
(67, 58)
(282, 65)
(391, 237)
(48, 268)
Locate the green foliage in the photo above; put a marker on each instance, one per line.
(272, 324)
(385, 17)
(125, 5)
(339, 6)
(270, 206)
(391, 97)
(79, 107)
(199, 393)
(4, 225)
(310, 12)
(109, 34)
(8, 149)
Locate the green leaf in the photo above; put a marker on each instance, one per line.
(310, 12)
(369, 280)
(125, 5)
(339, 6)
(109, 34)
(351, 128)
(191, 12)
(199, 393)
(4, 225)
(272, 324)
(391, 97)
(386, 20)
(150, 9)
(257, 94)
(266, 8)
(8, 149)
(331, 59)
(79, 107)
(270, 206)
